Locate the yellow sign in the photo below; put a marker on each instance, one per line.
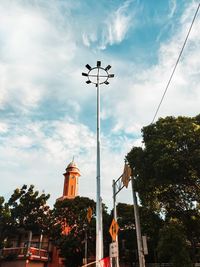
(89, 214)
(126, 176)
(114, 228)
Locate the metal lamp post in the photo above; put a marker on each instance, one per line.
(97, 76)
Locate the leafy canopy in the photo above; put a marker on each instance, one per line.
(29, 210)
(167, 169)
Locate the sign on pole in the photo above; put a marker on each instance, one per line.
(89, 214)
(144, 242)
(114, 250)
(126, 175)
(114, 228)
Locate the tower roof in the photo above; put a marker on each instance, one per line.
(72, 167)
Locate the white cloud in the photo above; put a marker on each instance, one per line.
(109, 28)
(135, 96)
(86, 40)
(21, 142)
(3, 127)
(172, 7)
(117, 26)
(89, 38)
(33, 49)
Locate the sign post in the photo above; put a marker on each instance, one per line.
(114, 228)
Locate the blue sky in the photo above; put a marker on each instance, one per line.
(48, 112)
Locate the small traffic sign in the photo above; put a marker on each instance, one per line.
(113, 250)
(89, 214)
(114, 228)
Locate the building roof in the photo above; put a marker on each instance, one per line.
(72, 167)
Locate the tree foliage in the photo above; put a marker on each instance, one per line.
(29, 210)
(167, 173)
(172, 246)
(5, 221)
(127, 233)
(168, 167)
(71, 214)
(25, 210)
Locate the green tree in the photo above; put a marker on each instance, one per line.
(190, 221)
(28, 209)
(5, 221)
(168, 167)
(167, 171)
(127, 233)
(25, 210)
(172, 246)
(72, 213)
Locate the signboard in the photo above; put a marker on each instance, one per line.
(89, 214)
(126, 175)
(113, 250)
(114, 228)
(144, 242)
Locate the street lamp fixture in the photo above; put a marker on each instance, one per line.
(97, 76)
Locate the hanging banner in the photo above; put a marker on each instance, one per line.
(105, 262)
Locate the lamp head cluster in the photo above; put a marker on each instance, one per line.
(97, 75)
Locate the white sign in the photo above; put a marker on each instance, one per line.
(145, 248)
(113, 250)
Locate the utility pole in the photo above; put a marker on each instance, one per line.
(137, 226)
(115, 218)
(86, 241)
(118, 185)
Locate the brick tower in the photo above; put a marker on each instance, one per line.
(70, 188)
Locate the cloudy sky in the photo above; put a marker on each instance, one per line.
(48, 112)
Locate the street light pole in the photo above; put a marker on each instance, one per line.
(99, 232)
(98, 76)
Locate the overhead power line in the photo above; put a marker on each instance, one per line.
(173, 71)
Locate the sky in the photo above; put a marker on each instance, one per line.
(48, 112)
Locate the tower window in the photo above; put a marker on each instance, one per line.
(72, 190)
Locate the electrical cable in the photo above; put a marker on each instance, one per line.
(172, 74)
